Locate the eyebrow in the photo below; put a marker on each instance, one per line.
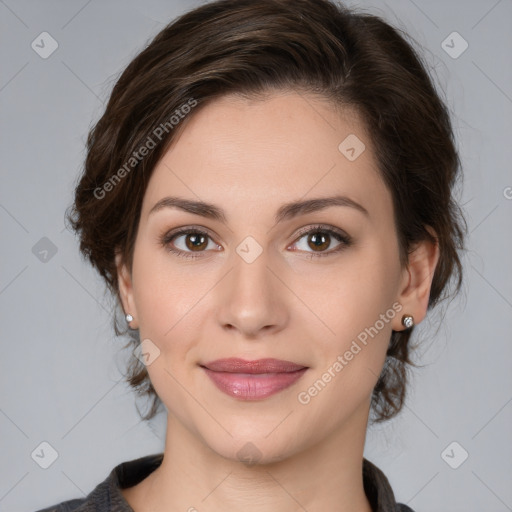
(286, 212)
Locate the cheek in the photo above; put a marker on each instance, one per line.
(359, 312)
(350, 296)
(357, 306)
(164, 291)
(165, 299)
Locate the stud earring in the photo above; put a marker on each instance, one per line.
(407, 321)
(129, 318)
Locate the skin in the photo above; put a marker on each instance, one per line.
(249, 157)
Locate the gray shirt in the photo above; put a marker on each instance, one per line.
(107, 497)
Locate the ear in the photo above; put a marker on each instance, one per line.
(417, 281)
(124, 280)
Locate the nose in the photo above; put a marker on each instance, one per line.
(253, 299)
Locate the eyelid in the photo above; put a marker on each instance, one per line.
(321, 227)
(168, 235)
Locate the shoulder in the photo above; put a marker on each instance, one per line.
(98, 500)
(400, 507)
(76, 505)
(106, 496)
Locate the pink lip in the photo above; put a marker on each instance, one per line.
(253, 380)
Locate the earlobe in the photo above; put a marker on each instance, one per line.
(418, 276)
(126, 291)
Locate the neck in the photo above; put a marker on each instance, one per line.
(192, 477)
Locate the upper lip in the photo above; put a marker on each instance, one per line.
(237, 365)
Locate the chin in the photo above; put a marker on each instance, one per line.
(252, 449)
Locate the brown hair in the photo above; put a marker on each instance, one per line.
(250, 48)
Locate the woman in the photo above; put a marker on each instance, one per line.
(269, 196)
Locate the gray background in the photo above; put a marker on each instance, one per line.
(60, 365)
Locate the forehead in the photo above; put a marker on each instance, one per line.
(256, 152)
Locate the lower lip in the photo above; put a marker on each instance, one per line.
(248, 386)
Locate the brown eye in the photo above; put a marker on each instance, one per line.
(196, 242)
(319, 241)
(322, 241)
(187, 241)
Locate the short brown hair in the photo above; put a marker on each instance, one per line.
(250, 48)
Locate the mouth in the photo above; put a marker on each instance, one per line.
(253, 380)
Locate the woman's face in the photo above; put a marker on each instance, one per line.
(317, 284)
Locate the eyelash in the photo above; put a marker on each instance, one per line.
(346, 241)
